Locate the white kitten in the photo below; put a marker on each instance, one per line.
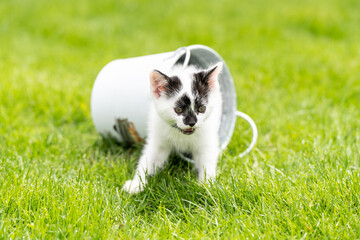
(184, 117)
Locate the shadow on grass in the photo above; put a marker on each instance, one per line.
(111, 150)
(177, 192)
(110, 146)
(116, 159)
(175, 188)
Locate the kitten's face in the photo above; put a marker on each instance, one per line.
(183, 99)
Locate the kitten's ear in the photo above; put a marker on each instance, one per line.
(212, 75)
(158, 83)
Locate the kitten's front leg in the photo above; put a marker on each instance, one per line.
(205, 163)
(153, 158)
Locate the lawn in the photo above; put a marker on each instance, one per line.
(296, 68)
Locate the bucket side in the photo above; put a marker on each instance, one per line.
(120, 98)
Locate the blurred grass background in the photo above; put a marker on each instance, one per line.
(296, 69)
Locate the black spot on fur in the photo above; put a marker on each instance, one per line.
(184, 103)
(173, 87)
(201, 87)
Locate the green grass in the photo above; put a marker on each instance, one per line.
(296, 68)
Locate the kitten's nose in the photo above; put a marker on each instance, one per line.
(190, 120)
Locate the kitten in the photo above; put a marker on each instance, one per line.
(184, 117)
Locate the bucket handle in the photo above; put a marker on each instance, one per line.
(254, 130)
(253, 140)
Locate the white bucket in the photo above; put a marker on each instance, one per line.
(120, 97)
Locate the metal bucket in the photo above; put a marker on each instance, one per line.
(120, 98)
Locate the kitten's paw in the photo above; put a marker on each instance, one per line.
(207, 180)
(133, 186)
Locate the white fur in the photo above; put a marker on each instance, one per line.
(163, 138)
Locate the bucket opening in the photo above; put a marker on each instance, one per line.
(203, 57)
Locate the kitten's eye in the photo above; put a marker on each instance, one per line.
(178, 110)
(202, 109)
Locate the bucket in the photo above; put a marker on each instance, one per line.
(120, 98)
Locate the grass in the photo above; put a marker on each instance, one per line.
(296, 70)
